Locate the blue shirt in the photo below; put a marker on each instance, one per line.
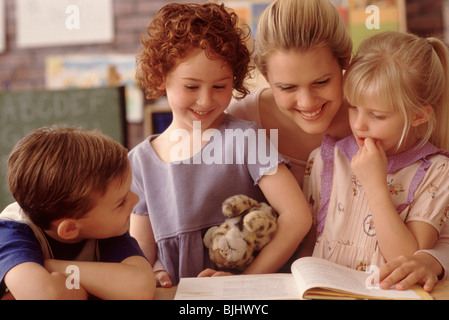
(18, 244)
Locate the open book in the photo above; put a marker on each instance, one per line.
(311, 278)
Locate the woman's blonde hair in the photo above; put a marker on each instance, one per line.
(301, 25)
(406, 73)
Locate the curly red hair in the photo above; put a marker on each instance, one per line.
(176, 28)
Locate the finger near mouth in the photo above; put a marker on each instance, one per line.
(361, 141)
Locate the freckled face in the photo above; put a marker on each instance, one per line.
(199, 89)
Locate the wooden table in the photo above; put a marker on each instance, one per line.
(440, 292)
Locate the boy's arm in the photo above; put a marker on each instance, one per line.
(22, 266)
(29, 280)
(285, 196)
(132, 278)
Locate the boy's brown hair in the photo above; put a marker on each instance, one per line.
(56, 173)
(177, 28)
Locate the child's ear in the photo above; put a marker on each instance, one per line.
(422, 116)
(162, 85)
(265, 77)
(68, 229)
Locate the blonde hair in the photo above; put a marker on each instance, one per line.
(56, 173)
(301, 25)
(405, 73)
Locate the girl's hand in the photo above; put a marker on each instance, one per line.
(163, 279)
(213, 273)
(370, 164)
(405, 271)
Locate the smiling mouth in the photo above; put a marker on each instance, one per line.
(312, 115)
(200, 113)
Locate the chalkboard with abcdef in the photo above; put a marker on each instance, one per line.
(21, 112)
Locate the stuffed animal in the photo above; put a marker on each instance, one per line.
(248, 227)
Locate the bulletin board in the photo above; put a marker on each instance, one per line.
(96, 70)
(43, 23)
(362, 22)
(359, 20)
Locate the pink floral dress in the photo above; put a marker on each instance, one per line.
(418, 180)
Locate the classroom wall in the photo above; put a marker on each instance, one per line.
(23, 69)
(425, 18)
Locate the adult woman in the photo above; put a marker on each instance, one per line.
(302, 50)
(302, 55)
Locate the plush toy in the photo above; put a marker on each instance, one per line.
(248, 227)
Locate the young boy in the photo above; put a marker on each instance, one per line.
(67, 235)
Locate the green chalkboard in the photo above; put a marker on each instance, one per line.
(23, 111)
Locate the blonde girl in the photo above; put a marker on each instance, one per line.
(392, 172)
(302, 49)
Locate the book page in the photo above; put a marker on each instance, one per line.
(314, 272)
(240, 287)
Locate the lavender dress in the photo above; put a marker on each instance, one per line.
(183, 200)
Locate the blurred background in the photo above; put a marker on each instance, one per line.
(33, 57)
